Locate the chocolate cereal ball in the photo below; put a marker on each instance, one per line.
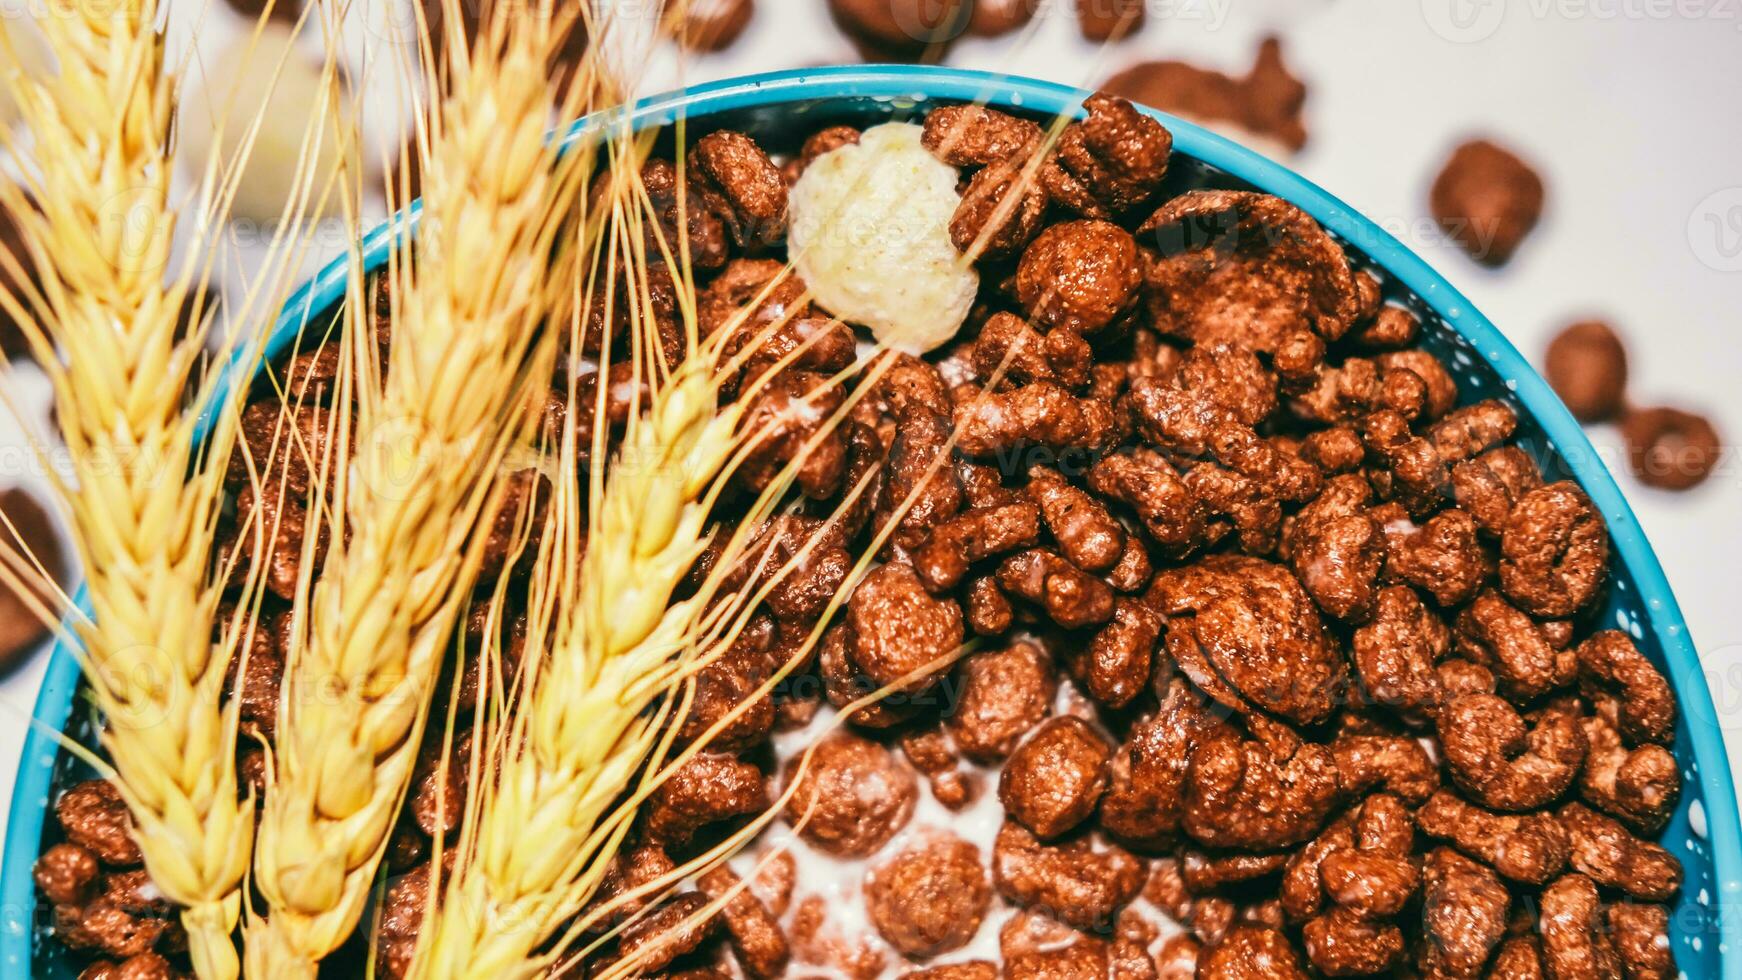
(1671, 449)
(1053, 782)
(1487, 200)
(929, 900)
(1587, 366)
(855, 793)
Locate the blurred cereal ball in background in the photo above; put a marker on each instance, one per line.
(286, 11)
(710, 25)
(22, 55)
(25, 516)
(275, 80)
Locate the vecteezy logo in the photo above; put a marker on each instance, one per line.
(1715, 230)
(931, 21)
(1464, 21)
(133, 224)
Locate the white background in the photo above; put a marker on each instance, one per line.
(1628, 107)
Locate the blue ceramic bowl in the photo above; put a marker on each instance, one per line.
(779, 109)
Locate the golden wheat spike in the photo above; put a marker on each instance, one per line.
(100, 229)
(584, 738)
(556, 782)
(383, 610)
(582, 734)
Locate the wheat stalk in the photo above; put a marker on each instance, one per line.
(537, 846)
(715, 631)
(561, 767)
(99, 233)
(590, 740)
(385, 605)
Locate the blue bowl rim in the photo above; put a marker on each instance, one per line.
(925, 83)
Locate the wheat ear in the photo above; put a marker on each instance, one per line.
(597, 708)
(382, 613)
(562, 762)
(99, 233)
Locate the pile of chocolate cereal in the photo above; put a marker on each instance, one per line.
(1282, 662)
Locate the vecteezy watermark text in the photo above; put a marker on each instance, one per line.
(1471, 21)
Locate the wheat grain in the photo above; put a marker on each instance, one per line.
(385, 605)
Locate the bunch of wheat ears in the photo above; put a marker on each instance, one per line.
(519, 248)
